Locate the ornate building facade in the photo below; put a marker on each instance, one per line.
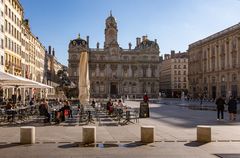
(214, 64)
(51, 68)
(114, 71)
(1, 35)
(174, 74)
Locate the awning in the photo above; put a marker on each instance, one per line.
(8, 80)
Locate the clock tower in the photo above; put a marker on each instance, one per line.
(111, 33)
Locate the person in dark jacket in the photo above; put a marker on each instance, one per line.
(109, 106)
(232, 109)
(220, 102)
(43, 109)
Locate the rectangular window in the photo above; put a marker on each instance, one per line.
(2, 43)
(9, 13)
(6, 25)
(2, 60)
(184, 79)
(9, 44)
(9, 28)
(6, 42)
(6, 10)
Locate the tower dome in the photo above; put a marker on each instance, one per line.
(78, 42)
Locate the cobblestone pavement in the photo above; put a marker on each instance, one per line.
(175, 134)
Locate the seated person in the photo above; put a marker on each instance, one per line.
(9, 111)
(66, 107)
(43, 109)
(109, 106)
(120, 104)
(93, 104)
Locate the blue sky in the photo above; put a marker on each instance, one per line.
(174, 23)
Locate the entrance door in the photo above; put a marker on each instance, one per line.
(214, 92)
(113, 89)
(234, 90)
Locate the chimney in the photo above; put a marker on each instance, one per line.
(165, 56)
(161, 58)
(97, 45)
(53, 52)
(144, 38)
(172, 52)
(138, 41)
(49, 50)
(88, 41)
(129, 46)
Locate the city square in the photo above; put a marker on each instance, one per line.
(74, 84)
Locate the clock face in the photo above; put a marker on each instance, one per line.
(74, 43)
(83, 43)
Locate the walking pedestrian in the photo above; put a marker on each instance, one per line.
(232, 108)
(220, 107)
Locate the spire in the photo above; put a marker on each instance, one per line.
(79, 36)
(110, 12)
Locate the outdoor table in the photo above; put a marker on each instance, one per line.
(89, 110)
(12, 112)
(22, 111)
(128, 116)
(119, 113)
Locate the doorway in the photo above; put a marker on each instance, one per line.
(113, 89)
(214, 92)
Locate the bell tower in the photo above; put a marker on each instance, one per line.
(110, 32)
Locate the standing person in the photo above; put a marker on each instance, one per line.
(220, 107)
(19, 98)
(14, 98)
(145, 98)
(232, 108)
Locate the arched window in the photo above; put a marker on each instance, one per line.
(234, 77)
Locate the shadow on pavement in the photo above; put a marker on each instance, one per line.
(194, 144)
(3, 146)
(67, 146)
(102, 145)
(228, 155)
